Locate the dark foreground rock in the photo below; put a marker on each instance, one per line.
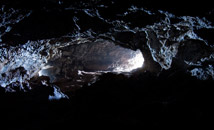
(116, 101)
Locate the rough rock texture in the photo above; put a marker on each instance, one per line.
(9, 17)
(49, 47)
(161, 36)
(80, 64)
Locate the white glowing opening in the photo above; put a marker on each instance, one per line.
(135, 62)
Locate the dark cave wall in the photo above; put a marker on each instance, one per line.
(172, 90)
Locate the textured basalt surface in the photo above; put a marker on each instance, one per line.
(104, 63)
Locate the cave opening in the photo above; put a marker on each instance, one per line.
(76, 63)
(83, 63)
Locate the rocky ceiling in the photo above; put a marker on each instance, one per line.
(112, 62)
